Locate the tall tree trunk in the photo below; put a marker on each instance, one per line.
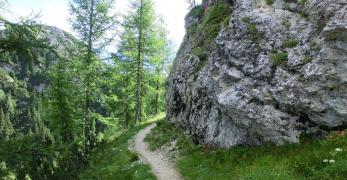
(157, 87)
(127, 115)
(89, 134)
(138, 110)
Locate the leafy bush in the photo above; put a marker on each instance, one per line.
(290, 43)
(279, 58)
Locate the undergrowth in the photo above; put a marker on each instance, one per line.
(311, 159)
(279, 58)
(114, 160)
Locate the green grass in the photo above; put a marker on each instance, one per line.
(113, 160)
(197, 11)
(269, 2)
(290, 43)
(279, 58)
(292, 161)
(252, 29)
(207, 29)
(307, 59)
(214, 18)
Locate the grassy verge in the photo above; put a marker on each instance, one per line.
(113, 160)
(311, 159)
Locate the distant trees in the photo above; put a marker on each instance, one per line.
(6, 128)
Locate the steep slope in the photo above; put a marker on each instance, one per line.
(274, 71)
(24, 67)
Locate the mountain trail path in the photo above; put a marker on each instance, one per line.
(160, 164)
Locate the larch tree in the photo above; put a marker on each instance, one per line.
(158, 59)
(6, 128)
(60, 98)
(139, 62)
(139, 23)
(91, 19)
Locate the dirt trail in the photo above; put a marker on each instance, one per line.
(159, 164)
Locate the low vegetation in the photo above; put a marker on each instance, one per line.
(207, 29)
(311, 159)
(213, 20)
(269, 2)
(290, 43)
(252, 29)
(113, 160)
(279, 58)
(165, 133)
(307, 59)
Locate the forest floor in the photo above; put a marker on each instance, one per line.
(159, 163)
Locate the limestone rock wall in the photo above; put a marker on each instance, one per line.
(275, 72)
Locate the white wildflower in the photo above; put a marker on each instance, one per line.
(338, 149)
(331, 161)
(325, 160)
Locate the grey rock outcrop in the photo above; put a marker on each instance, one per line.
(245, 93)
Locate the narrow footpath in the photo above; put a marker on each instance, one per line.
(161, 167)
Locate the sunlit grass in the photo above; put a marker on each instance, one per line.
(154, 118)
(113, 160)
(311, 159)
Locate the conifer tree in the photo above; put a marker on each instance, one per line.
(139, 23)
(92, 21)
(140, 61)
(60, 98)
(6, 128)
(2, 123)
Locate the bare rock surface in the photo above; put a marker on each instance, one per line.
(240, 95)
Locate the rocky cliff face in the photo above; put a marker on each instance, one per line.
(274, 72)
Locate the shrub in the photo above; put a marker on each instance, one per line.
(307, 59)
(200, 53)
(246, 20)
(290, 43)
(213, 20)
(269, 2)
(197, 11)
(279, 58)
(314, 46)
(252, 28)
(192, 28)
(304, 14)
